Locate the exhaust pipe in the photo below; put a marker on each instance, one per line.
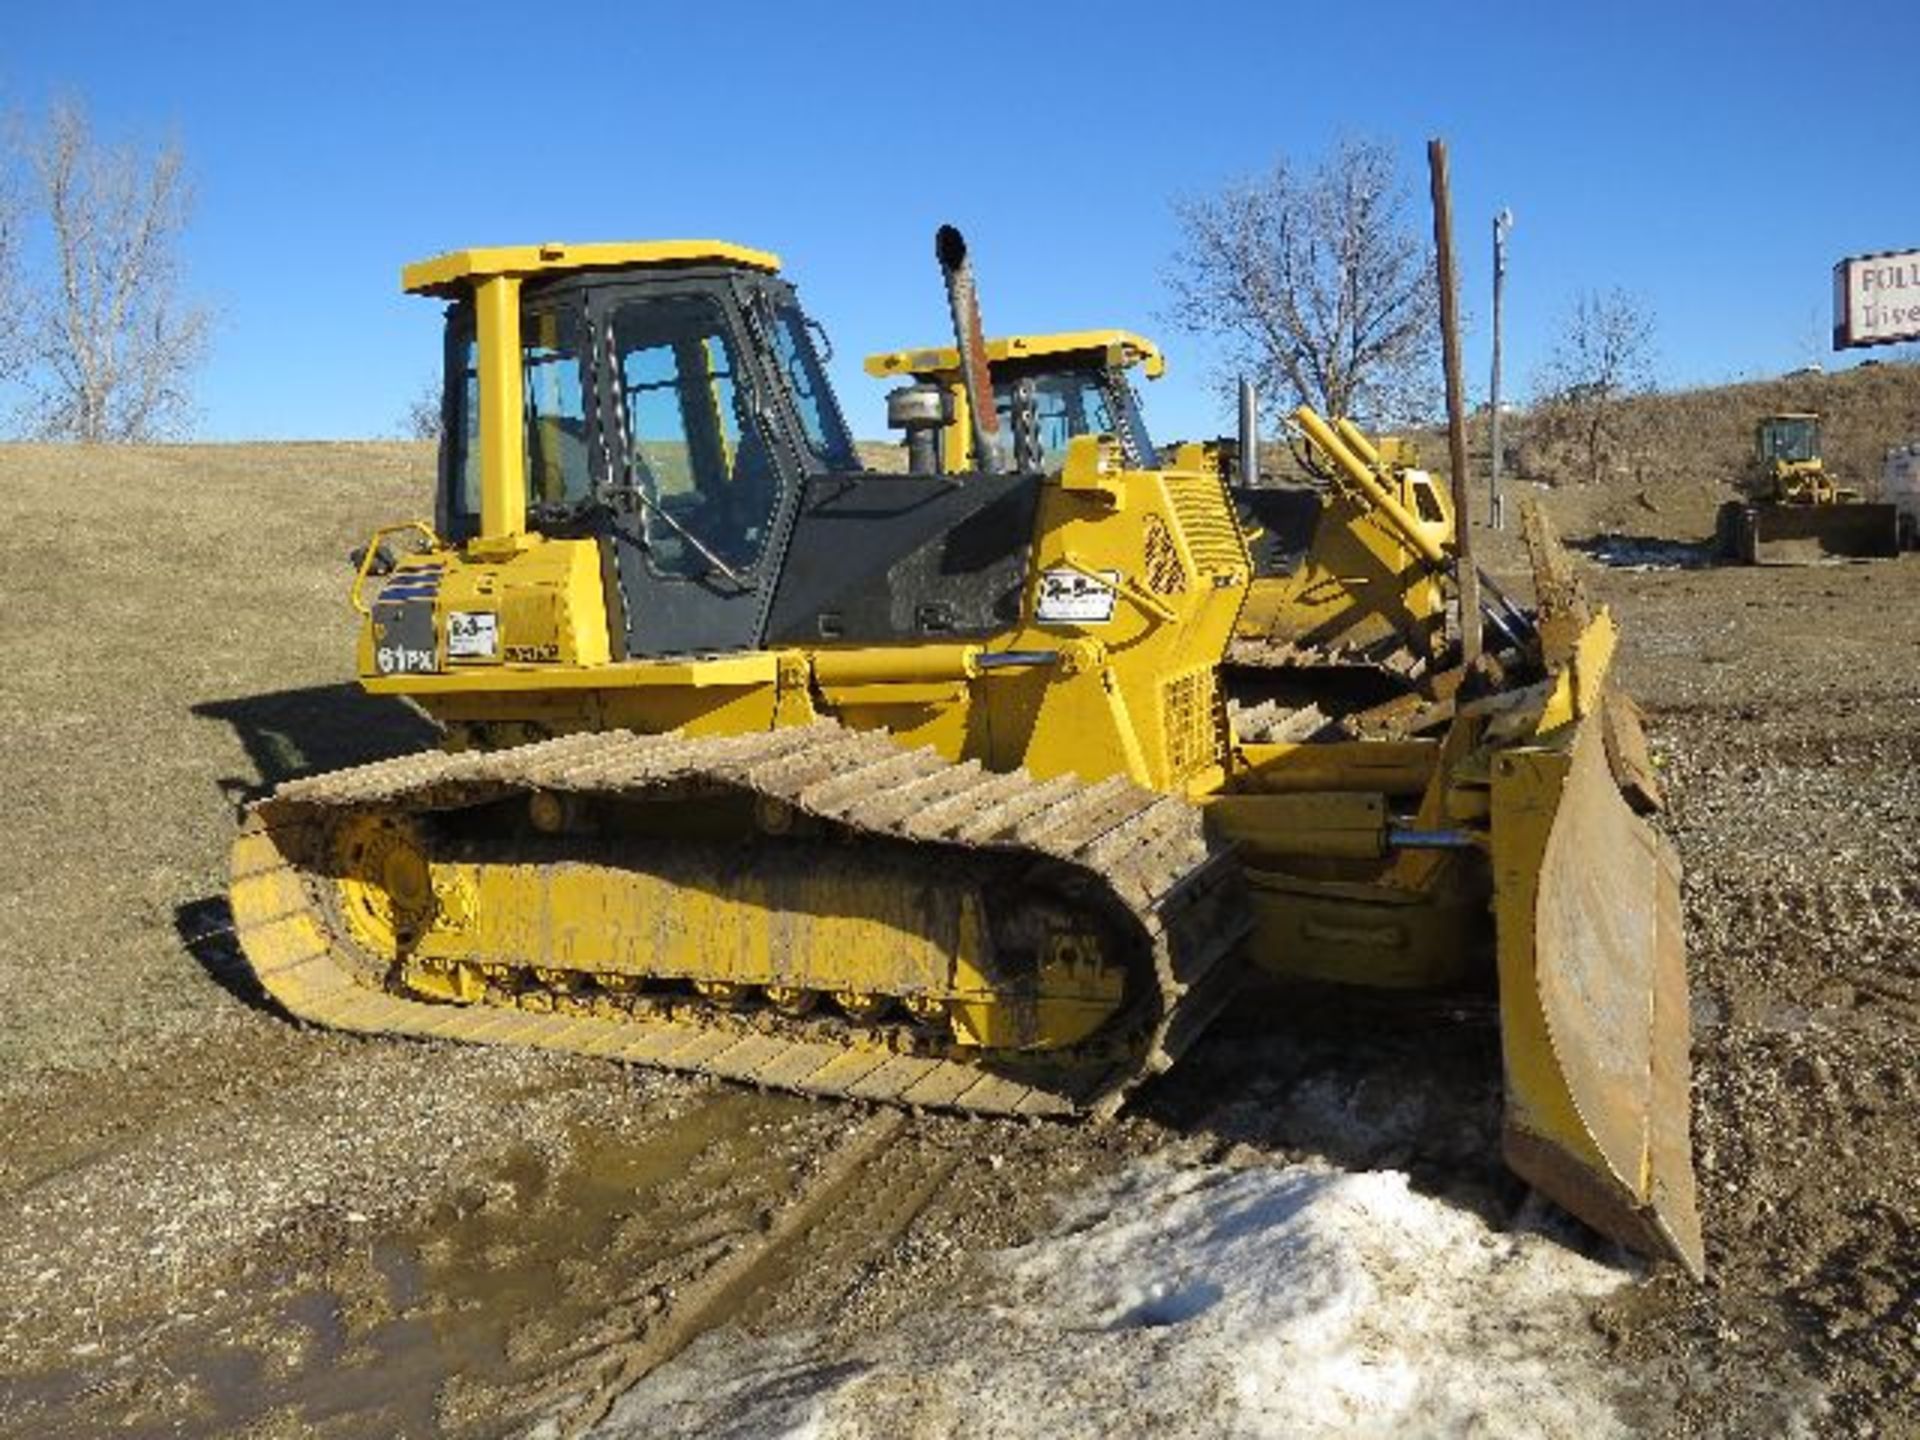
(1249, 436)
(950, 247)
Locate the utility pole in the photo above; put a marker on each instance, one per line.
(1502, 223)
(1466, 577)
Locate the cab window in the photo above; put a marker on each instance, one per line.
(706, 482)
(556, 408)
(555, 418)
(1068, 403)
(820, 421)
(1791, 440)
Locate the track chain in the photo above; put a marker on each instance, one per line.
(1147, 850)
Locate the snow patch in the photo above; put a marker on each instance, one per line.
(1633, 552)
(1204, 1300)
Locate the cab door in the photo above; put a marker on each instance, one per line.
(693, 489)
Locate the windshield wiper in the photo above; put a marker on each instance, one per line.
(638, 492)
(687, 535)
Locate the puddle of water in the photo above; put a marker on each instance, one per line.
(429, 1329)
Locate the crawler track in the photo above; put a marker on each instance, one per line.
(1143, 853)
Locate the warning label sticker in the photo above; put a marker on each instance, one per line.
(473, 635)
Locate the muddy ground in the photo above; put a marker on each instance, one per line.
(215, 1221)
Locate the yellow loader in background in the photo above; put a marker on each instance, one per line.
(1794, 512)
(920, 788)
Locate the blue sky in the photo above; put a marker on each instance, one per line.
(1714, 159)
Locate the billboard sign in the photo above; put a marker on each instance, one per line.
(1876, 299)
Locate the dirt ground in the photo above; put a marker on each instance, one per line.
(1787, 705)
(213, 1221)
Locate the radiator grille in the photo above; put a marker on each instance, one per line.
(1164, 573)
(1207, 521)
(1189, 712)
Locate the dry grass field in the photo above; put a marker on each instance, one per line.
(1697, 437)
(156, 598)
(215, 1221)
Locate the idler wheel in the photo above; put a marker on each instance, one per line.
(384, 882)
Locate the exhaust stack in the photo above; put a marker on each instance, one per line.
(1249, 435)
(950, 247)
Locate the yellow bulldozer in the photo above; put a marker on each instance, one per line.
(1794, 512)
(1073, 383)
(920, 788)
(1346, 615)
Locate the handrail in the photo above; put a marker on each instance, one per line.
(368, 556)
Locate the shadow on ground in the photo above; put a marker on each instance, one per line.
(289, 733)
(205, 928)
(1364, 1082)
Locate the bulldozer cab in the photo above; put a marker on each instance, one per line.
(1071, 383)
(1791, 470)
(673, 409)
(672, 403)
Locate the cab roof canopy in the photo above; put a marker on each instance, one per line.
(1119, 348)
(455, 273)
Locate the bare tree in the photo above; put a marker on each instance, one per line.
(12, 223)
(1604, 354)
(112, 347)
(423, 418)
(1317, 284)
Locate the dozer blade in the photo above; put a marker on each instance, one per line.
(1811, 534)
(1593, 999)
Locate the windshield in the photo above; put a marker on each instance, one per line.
(820, 421)
(1091, 401)
(1790, 440)
(694, 455)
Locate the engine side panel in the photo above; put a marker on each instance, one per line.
(883, 558)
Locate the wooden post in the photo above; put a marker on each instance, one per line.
(1496, 507)
(1466, 577)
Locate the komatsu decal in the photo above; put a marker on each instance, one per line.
(422, 582)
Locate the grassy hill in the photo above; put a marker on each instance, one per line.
(1679, 451)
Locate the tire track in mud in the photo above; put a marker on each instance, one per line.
(729, 1287)
(539, 1287)
(1783, 709)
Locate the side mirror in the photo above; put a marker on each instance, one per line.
(820, 341)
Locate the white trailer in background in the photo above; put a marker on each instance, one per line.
(1900, 488)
